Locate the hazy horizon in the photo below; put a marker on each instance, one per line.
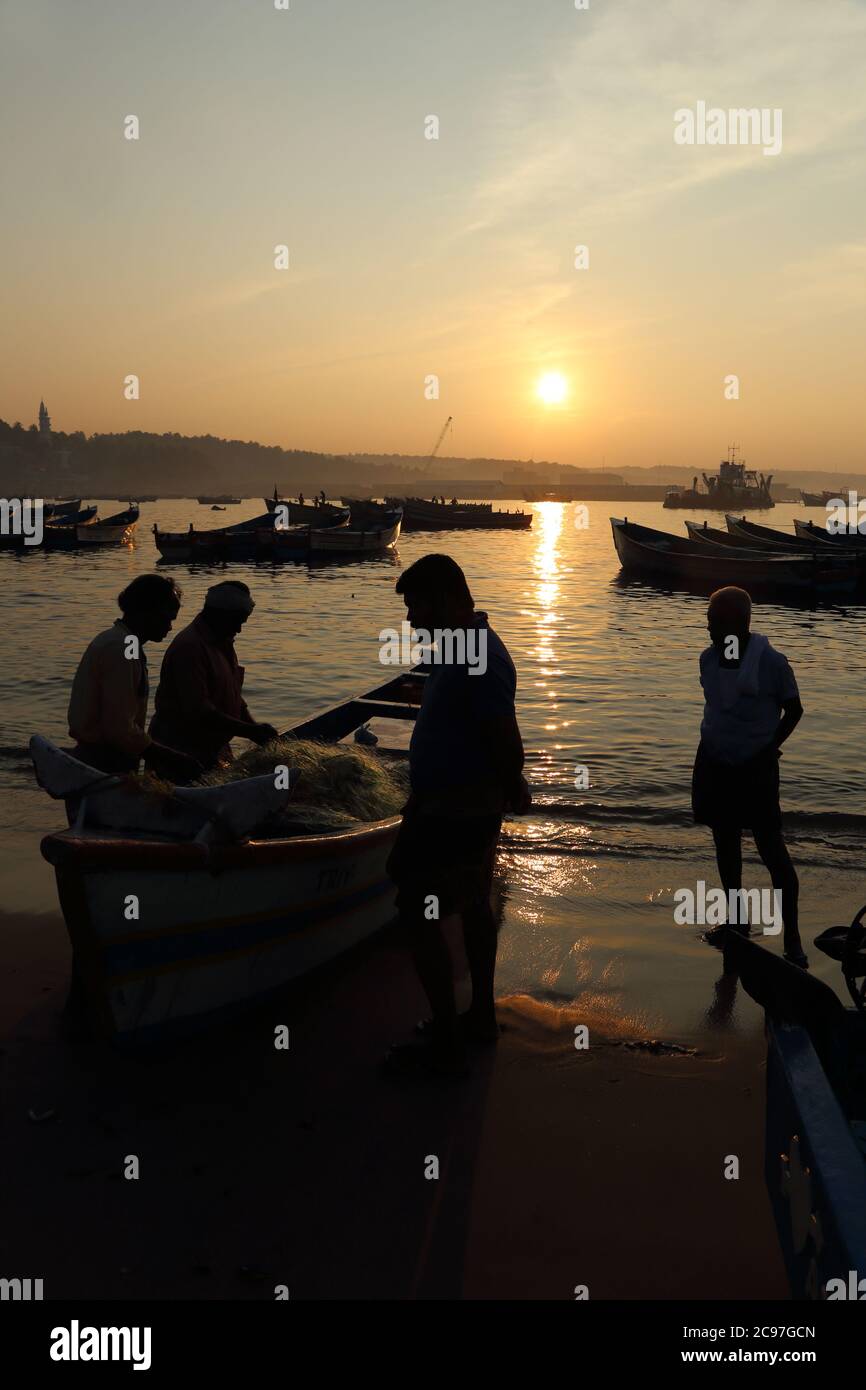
(411, 257)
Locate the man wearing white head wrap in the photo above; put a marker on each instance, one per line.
(200, 700)
(231, 596)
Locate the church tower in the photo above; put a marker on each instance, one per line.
(44, 424)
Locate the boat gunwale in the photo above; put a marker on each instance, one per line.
(93, 851)
(781, 560)
(98, 852)
(835, 1161)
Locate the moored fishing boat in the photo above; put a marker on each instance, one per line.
(841, 540)
(419, 515)
(292, 542)
(223, 926)
(296, 513)
(345, 540)
(821, 499)
(63, 534)
(53, 511)
(225, 542)
(111, 530)
(363, 511)
(752, 534)
(711, 538)
(815, 1155)
(646, 551)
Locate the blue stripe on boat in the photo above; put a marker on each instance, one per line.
(141, 957)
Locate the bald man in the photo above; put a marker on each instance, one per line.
(752, 705)
(199, 705)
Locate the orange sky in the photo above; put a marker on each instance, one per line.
(453, 257)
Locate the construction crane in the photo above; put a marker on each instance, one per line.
(437, 446)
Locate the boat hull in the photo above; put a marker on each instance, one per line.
(853, 541)
(644, 551)
(479, 517)
(105, 535)
(218, 932)
(341, 540)
(757, 537)
(815, 1175)
(304, 513)
(690, 500)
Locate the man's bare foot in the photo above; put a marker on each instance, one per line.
(795, 955)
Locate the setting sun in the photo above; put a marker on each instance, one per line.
(552, 388)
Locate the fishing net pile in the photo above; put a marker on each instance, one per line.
(339, 785)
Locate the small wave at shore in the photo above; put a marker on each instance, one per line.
(596, 813)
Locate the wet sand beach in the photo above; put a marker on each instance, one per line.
(558, 1168)
(306, 1168)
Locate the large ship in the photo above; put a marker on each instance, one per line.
(735, 488)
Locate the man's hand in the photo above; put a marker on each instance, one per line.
(171, 763)
(262, 733)
(520, 798)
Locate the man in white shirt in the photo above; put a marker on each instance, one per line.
(752, 705)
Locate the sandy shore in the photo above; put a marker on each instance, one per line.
(306, 1168)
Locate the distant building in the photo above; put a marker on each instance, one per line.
(44, 426)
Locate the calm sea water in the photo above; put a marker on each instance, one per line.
(608, 679)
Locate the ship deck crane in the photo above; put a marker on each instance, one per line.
(437, 446)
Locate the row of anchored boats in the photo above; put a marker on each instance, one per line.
(421, 515)
(67, 525)
(748, 554)
(287, 531)
(295, 530)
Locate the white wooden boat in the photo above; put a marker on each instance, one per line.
(221, 926)
(347, 540)
(113, 530)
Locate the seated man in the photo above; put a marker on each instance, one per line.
(108, 702)
(199, 705)
(465, 764)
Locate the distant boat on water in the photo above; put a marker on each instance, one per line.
(734, 488)
(110, 530)
(223, 498)
(293, 513)
(420, 515)
(821, 499)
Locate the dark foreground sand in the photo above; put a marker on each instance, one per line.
(305, 1168)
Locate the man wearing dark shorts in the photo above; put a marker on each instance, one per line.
(752, 705)
(466, 761)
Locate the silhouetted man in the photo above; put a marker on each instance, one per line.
(108, 701)
(199, 704)
(752, 706)
(465, 761)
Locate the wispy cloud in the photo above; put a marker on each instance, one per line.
(597, 129)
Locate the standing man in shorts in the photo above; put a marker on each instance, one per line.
(752, 705)
(466, 770)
